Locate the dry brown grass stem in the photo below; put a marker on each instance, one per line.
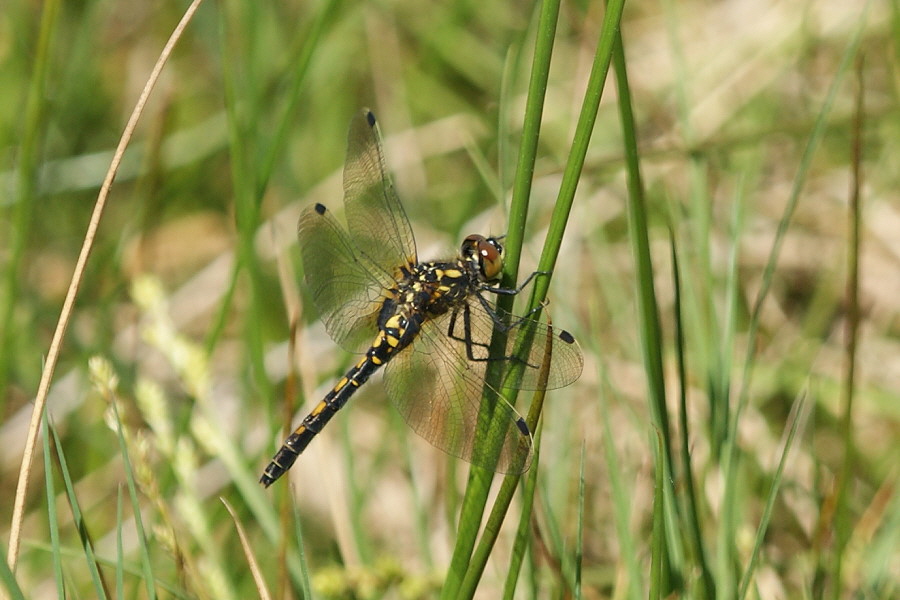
(72, 291)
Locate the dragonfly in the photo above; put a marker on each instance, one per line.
(427, 324)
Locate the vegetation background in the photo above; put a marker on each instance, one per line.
(759, 126)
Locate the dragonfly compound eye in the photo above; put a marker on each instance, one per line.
(485, 253)
(491, 259)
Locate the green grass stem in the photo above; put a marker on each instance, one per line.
(101, 587)
(52, 515)
(33, 131)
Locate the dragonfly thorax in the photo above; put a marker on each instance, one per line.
(484, 255)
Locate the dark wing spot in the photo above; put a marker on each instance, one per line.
(320, 208)
(523, 427)
(566, 337)
(370, 118)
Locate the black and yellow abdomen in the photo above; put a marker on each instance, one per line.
(394, 334)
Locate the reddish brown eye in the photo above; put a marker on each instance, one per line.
(491, 259)
(487, 252)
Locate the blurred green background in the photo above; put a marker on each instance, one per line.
(193, 282)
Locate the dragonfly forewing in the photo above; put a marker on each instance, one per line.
(347, 289)
(376, 220)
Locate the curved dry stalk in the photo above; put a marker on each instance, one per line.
(77, 276)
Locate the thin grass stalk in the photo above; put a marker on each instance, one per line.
(243, 113)
(575, 162)
(554, 546)
(492, 526)
(262, 590)
(795, 421)
(733, 294)
(648, 310)
(303, 579)
(357, 493)
(728, 531)
(521, 543)
(475, 497)
(579, 539)
(531, 128)
(706, 343)
(507, 489)
(120, 550)
(300, 60)
(710, 343)
(503, 179)
(10, 585)
(101, 587)
(222, 316)
(33, 130)
(651, 332)
(688, 495)
(658, 579)
(52, 515)
(421, 508)
(77, 277)
(622, 502)
(851, 339)
(144, 545)
(301, 57)
(479, 481)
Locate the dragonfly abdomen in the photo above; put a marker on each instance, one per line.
(387, 342)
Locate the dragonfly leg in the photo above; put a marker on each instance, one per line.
(514, 291)
(466, 335)
(472, 344)
(498, 322)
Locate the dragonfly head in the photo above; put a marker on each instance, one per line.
(484, 254)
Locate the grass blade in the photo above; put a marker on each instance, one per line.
(622, 502)
(101, 588)
(255, 571)
(479, 481)
(851, 340)
(9, 582)
(689, 498)
(120, 553)
(52, 516)
(301, 559)
(648, 310)
(505, 495)
(477, 488)
(32, 133)
(106, 384)
(579, 540)
(795, 422)
(658, 559)
(728, 531)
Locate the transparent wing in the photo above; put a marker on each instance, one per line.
(437, 382)
(375, 218)
(474, 338)
(346, 288)
(438, 393)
